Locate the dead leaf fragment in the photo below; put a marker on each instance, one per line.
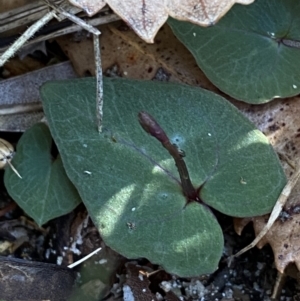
(124, 54)
(283, 238)
(201, 12)
(279, 121)
(90, 7)
(146, 17)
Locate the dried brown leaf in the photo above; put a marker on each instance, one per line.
(146, 17)
(240, 223)
(201, 12)
(280, 123)
(124, 54)
(283, 238)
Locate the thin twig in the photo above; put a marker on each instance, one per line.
(75, 19)
(99, 83)
(279, 283)
(70, 29)
(22, 15)
(98, 68)
(74, 264)
(14, 170)
(36, 26)
(25, 37)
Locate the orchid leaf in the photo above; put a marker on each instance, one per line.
(129, 182)
(252, 53)
(44, 192)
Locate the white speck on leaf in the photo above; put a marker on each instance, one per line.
(242, 181)
(294, 86)
(87, 172)
(133, 209)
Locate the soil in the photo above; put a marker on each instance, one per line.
(251, 277)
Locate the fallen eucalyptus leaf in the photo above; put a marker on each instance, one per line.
(44, 192)
(130, 184)
(253, 53)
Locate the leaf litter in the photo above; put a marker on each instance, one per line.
(273, 128)
(147, 17)
(277, 120)
(265, 118)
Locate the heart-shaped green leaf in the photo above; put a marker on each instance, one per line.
(45, 191)
(129, 182)
(252, 53)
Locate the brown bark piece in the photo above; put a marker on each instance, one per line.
(26, 280)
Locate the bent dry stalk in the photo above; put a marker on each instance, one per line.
(150, 126)
(6, 155)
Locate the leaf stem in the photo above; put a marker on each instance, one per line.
(150, 126)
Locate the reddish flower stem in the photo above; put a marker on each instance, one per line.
(149, 124)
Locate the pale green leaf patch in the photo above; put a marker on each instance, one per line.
(252, 53)
(44, 192)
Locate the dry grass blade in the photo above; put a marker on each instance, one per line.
(25, 37)
(64, 11)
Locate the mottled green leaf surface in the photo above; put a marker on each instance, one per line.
(45, 191)
(129, 182)
(246, 54)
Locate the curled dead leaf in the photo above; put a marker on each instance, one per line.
(278, 120)
(283, 237)
(146, 17)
